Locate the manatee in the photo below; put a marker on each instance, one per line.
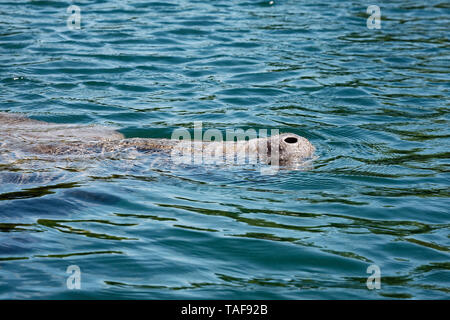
(22, 137)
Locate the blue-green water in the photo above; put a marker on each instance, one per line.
(374, 103)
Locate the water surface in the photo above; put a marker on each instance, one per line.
(374, 103)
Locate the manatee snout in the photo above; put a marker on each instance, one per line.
(292, 148)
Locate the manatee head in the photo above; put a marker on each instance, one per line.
(293, 149)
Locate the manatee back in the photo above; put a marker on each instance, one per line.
(17, 127)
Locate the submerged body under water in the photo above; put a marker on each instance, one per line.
(373, 102)
(24, 141)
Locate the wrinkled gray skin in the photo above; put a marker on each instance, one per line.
(24, 136)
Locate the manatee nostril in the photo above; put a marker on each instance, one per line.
(291, 140)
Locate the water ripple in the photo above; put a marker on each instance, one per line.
(373, 102)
